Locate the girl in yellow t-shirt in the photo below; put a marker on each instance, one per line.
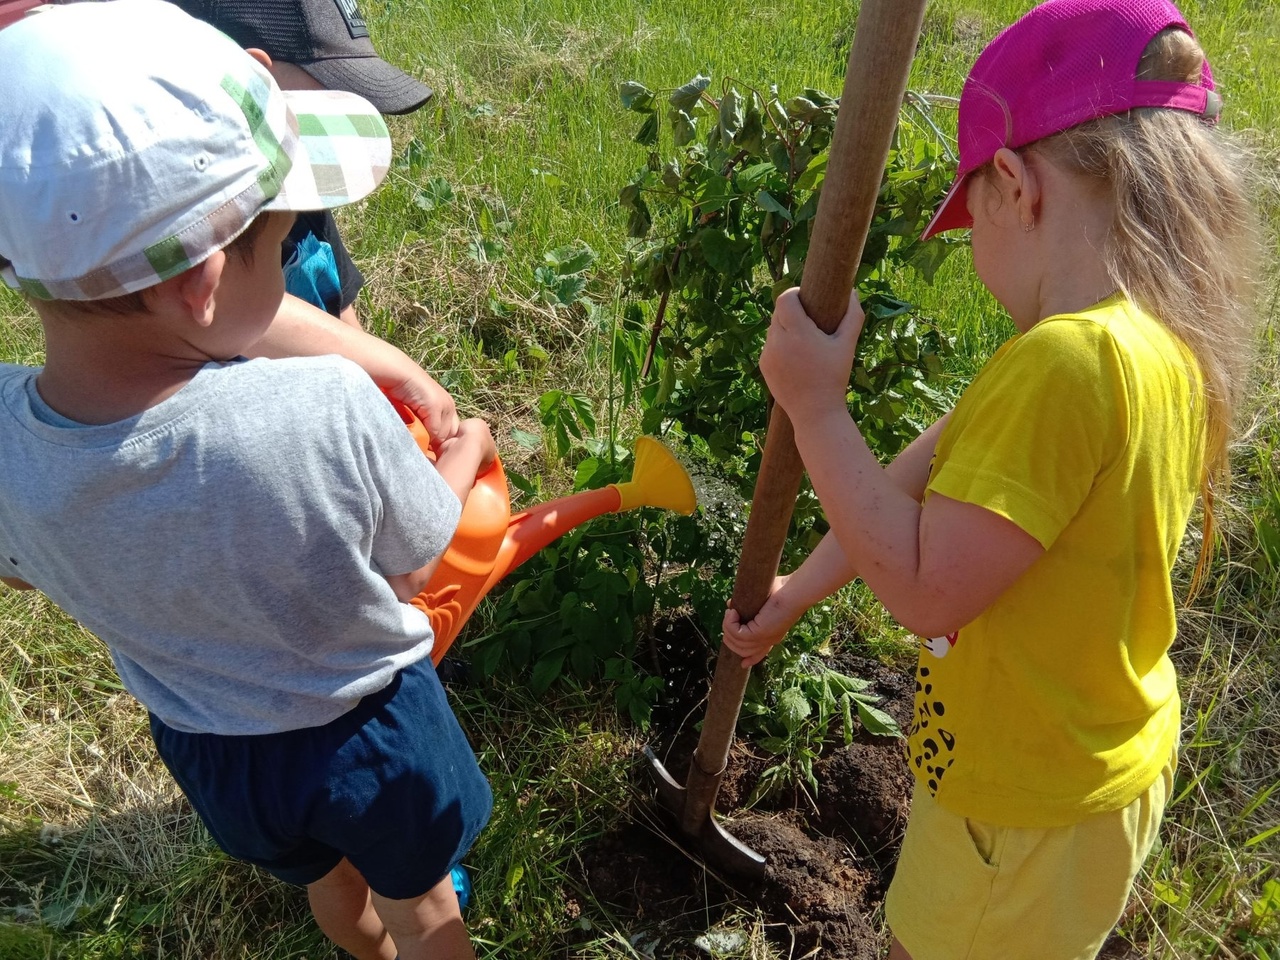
(1031, 532)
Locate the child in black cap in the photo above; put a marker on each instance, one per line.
(316, 44)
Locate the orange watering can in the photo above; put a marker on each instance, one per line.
(489, 542)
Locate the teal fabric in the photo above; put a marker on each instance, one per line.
(312, 273)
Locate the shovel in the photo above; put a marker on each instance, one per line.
(879, 63)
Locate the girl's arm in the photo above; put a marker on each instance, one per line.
(934, 567)
(825, 570)
(821, 574)
(302, 330)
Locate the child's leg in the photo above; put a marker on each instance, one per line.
(342, 907)
(428, 927)
(898, 951)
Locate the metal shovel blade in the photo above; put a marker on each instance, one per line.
(707, 836)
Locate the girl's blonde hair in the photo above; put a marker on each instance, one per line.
(1185, 241)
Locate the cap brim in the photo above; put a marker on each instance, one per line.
(953, 213)
(391, 90)
(343, 151)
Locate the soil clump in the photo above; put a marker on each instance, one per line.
(829, 856)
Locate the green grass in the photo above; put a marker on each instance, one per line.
(99, 858)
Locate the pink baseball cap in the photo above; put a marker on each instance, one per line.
(1062, 64)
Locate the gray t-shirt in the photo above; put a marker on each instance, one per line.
(229, 544)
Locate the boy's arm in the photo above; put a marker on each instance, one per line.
(825, 570)
(14, 583)
(302, 330)
(459, 461)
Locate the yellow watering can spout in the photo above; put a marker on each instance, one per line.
(657, 480)
(489, 542)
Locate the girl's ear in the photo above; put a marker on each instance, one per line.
(196, 287)
(1019, 183)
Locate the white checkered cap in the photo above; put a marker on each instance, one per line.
(139, 140)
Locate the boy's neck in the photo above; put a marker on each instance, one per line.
(104, 369)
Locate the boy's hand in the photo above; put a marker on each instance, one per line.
(807, 370)
(471, 437)
(754, 639)
(430, 402)
(461, 458)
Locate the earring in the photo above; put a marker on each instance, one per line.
(1028, 227)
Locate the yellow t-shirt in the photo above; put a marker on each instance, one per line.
(1059, 700)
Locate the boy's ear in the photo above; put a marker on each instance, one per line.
(195, 288)
(260, 55)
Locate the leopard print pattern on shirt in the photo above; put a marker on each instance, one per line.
(930, 746)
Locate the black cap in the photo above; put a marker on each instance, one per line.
(327, 38)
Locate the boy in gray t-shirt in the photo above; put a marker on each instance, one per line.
(244, 535)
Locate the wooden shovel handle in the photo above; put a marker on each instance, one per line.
(879, 65)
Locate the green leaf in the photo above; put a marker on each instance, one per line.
(1266, 908)
(1166, 892)
(548, 402)
(928, 256)
(802, 109)
(635, 96)
(485, 251)
(1262, 837)
(416, 156)
(436, 193)
(571, 258)
(769, 202)
(685, 97)
(586, 470)
(814, 173)
(640, 220)
(545, 672)
(583, 662)
(530, 441)
(876, 721)
(519, 646)
(753, 177)
(683, 127)
(570, 289)
(731, 114)
(514, 875)
(842, 683)
(548, 178)
(751, 137)
(647, 135)
(1269, 540)
(793, 708)
(723, 253)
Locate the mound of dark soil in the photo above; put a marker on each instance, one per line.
(828, 856)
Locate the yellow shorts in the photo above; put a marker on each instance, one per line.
(966, 890)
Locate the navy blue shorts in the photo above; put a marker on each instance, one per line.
(392, 785)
